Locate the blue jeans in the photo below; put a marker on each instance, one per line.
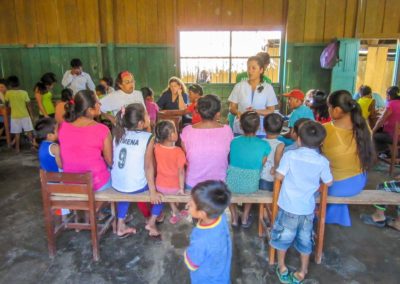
(289, 228)
(266, 185)
(122, 207)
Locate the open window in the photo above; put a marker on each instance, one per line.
(218, 56)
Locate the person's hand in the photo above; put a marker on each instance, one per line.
(181, 192)
(249, 108)
(272, 171)
(155, 197)
(238, 114)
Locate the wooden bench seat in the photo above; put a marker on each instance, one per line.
(366, 197)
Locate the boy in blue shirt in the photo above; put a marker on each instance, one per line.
(49, 151)
(209, 254)
(299, 110)
(301, 171)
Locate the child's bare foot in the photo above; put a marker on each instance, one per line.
(126, 232)
(153, 232)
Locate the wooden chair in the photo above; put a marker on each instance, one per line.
(319, 241)
(394, 150)
(81, 186)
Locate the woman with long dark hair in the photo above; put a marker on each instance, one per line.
(348, 147)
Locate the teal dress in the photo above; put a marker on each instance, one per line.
(246, 162)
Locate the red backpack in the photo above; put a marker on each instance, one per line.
(329, 55)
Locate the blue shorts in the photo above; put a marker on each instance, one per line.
(266, 185)
(290, 228)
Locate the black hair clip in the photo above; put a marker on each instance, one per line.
(260, 88)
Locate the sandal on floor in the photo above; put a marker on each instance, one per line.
(367, 219)
(174, 219)
(390, 223)
(294, 279)
(160, 219)
(127, 234)
(249, 222)
(283, 277)
(184, 213)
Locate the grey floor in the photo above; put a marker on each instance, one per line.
(359, 254)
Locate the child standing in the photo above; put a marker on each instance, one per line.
(20, 111)
(195, 92)
(367, 104)
(133, 167)
(66, 96)
(151, 107)
(273, 124)
(247, 157)
(170, 162)
(43, 94)
(301, 171)
(209, 254)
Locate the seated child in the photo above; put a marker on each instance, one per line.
(299, 110)
(21, 113)
(151, 107)
(301, 171)
(170, 161)
(367, 104)
(101, 91)
(247, 157)
(209, 254)
(295, 134)
(66, 96)
(195, 92)
(273, 124)
(133, 166)
(49, 151)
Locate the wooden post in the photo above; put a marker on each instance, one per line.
(321, 223)
(277, 189)
(48, 218)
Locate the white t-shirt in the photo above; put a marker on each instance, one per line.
(270, 163)
(260, 99)
(127, 173)
(116, 100)
(77, 82)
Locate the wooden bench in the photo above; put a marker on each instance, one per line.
(366, 197)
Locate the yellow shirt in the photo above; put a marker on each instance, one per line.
(340, 148)
(364, 103)
(18, 100)
(48, 103)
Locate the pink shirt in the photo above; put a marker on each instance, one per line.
(81, 151)
(207, 153)
(152, 109)
(390, 123)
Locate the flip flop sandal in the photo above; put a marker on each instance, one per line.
(184, 213)
(124, 236)
(294, 279)
(367, 219)
(174, 219)
(160, 219)
(283, 277)
(249, 222)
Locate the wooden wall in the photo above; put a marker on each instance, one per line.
(156, 21)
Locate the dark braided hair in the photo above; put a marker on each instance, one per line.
(128, 119)
(163, 130)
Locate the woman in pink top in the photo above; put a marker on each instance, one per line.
(384, 136)
(206, 144)
(86, 145)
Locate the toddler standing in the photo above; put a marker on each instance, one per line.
(170, 161)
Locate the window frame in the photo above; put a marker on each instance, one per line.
(279, 58)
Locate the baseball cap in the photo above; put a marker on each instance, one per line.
(296, 93)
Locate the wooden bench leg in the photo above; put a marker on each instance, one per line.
(94, 233)
(277, 189)
(50, 231)
(261, 225)
(113, 213)
(321, 224)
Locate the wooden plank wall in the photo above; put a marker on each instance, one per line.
(156, 21)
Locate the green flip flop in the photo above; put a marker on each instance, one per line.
(283, 277)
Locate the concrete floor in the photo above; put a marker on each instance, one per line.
(360, 254)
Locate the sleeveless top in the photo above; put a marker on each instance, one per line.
(127, 174)
(266, 171)
(47, 103)
(364, 103)
(46, 159)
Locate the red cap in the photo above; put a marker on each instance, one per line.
(295, 94)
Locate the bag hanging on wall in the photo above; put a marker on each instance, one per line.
(330, 55)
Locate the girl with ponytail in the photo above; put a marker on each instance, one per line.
(348, 147)
(133, 167)
(44, 96)
(85, 145)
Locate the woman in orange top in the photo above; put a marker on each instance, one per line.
(348, 147)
